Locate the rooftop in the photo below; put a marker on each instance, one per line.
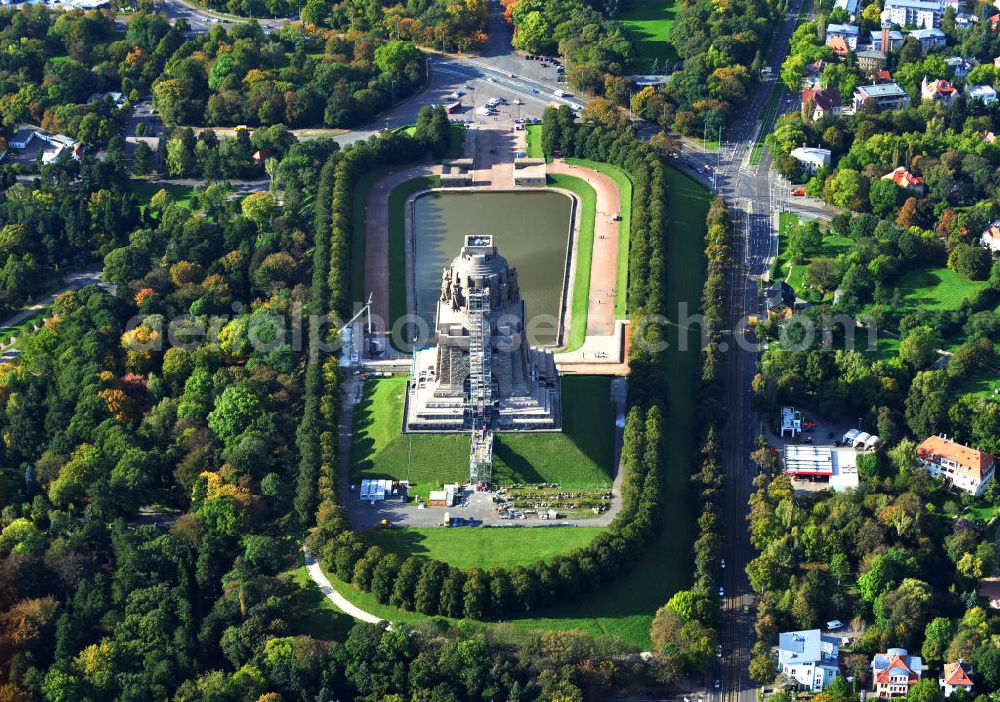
(806, 647)
(882, 90)
(968, 460)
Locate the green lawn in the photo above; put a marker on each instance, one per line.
(580, 456)
(397, 240)
(312, 613)
(533, 135)
(584, 256)
(6, 333)
(145, 190)
(984, 384)
(483, 548)
(647, 23)
(624, 184)
(935, 289)
(359, 202)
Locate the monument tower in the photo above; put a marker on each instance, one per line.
(480, 375)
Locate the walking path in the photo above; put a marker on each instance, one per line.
(339, 601)
(377, 237)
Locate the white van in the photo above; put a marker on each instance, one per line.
(559, 93)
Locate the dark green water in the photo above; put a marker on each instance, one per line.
(530, 229)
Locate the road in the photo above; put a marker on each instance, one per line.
(341, 602)
(73, 281)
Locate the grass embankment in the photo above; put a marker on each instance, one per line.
(397, 240)
(580, 456)
(533, 136)
(483, 548)
(935, 289)
(580, 295)
(624, 184)
(647, 23)
(359, 206)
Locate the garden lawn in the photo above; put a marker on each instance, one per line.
(833, 246)
(580, 300)
(144, 191)
(483, 548)
(397, 239)
(935, 289)
(533, 136)
(580, 456)
(7, 333)
(984, 384)
(624, 184)
(647, 23)
(312, 613)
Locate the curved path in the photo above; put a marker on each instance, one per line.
(341, 602)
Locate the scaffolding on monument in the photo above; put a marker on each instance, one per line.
(480, 388)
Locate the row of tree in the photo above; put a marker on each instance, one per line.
(685, 629)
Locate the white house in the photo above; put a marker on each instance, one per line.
(812, 158)
(984, 93)
(915, 13)
(966, 468)
(991, 237)
(848, 32)
(956, 676)
(808, 658)
(895, 672)
(960, 65)
(851, 6)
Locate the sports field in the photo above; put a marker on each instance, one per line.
(483, 548)
(647, 23)
(580, 456)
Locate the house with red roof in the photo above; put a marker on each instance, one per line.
(906, 180)
(966, 468)
(825, 101)
(991, 235)
(895, 672)
(938, 91)
(956, 676)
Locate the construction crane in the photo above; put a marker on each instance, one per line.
(480, 402)
(366, 308)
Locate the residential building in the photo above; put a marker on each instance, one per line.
(966, 468)
(991, 235)
(915, 13)
(961, 65)
(870, 61)
(906, 180)
(812, 158)
(895, 39)
(928, 39)
(839, 45)
(894, 672)
(28, 141)
(848, 32)
(780, 300)
(984, 93)
(996, 61)
(852, 7)
(938, 91)
(885, 96)
(824, 102)
(808, 658)
(956, 676)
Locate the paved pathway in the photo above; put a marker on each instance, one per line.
(376, 216)
(341, 602)
(604, 260)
